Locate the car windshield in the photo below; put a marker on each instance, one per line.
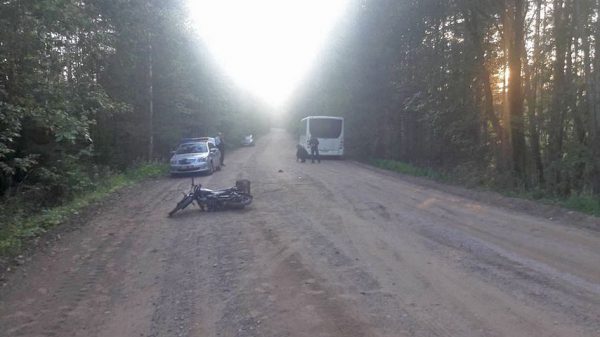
(192, 148)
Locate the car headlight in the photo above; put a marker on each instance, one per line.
(201, 160)
(173, 161)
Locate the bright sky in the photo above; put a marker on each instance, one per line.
(267, 46)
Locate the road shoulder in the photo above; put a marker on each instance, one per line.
(553, 213)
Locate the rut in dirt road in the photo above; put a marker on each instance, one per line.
(336, 249)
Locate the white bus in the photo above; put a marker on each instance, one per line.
(328, 130)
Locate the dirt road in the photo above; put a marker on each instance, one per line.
(335, 249)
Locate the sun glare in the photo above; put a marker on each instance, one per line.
(502, 78)
(267, 46)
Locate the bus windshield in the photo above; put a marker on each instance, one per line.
(326, 128)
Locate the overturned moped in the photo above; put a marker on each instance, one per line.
(210, 201)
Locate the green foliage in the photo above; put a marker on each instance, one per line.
(584, 203)
(50, 56)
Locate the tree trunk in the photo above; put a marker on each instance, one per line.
(516, 12)
(150, 104)
(534, 108)
(474, 29)
(505, 106)
(558, 97)
(595, 110)
(577, 96)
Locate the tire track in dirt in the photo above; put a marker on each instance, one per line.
(291, 208)
(372, 212)
(347, 282)
(520, 277)
(79, 282)
(206, 258)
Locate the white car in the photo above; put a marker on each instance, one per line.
(248, 140)
(195, 157)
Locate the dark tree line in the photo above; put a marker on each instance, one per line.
(90, 85)
(507, 91)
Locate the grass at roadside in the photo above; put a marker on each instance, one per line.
(18, 225)
(408, 169)
(583, 203)
(587, 204)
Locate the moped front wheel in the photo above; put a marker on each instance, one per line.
(185, 202)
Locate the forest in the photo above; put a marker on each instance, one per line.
(93, 87)
(503, 93)
(496, 93)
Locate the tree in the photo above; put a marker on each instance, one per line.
(427, 82)
(515, 10)
(88, 86)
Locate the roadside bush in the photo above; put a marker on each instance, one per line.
(22, 219)
(409, 169)
(61, 182)
(584, 203)
(468, 176)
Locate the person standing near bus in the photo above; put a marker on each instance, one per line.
(313, 142)
(220, 143)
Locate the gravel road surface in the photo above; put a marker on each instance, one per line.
(330, 249)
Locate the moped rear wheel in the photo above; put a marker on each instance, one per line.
(245, 199)
(241, 201)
